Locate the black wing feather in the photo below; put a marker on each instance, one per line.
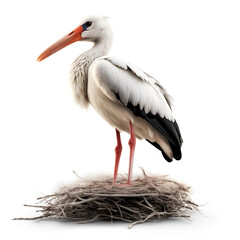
(156, 145)
(166, 127)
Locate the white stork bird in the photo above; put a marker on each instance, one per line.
(127, 98)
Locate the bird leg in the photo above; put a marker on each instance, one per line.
(132, 144)
(118, 151)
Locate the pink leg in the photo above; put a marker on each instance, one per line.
(132, 144)
(118, 151)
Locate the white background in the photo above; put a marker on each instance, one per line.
(192, 47)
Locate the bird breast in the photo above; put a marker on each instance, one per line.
(78, 81)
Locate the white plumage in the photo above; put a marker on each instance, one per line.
(132, 85)
(126, 97)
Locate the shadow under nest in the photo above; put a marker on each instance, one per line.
(151, 197)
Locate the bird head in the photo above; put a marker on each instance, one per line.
(93, 29)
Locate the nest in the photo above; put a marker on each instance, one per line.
(151, 197)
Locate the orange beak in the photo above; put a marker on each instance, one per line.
(72, 37)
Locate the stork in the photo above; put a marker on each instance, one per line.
(128, 98)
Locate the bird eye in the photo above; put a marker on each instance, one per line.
(88, 24)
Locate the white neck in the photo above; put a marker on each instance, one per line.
(79, 70)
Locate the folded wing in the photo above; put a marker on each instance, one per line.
(144, 96)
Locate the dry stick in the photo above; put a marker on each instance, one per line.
(91, 220)
(119, 209)
(141, 221)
